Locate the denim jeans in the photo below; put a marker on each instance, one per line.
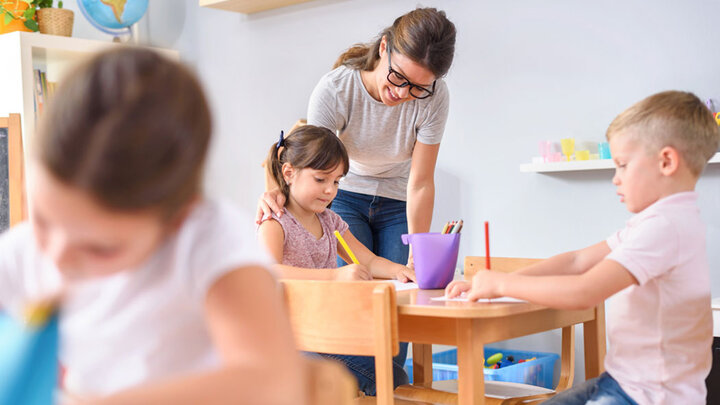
(377, 222)
(603, 390)
(363, 368)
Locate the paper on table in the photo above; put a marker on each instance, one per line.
(402, 286)
(463, 298)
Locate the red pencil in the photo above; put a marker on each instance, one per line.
(487, 245)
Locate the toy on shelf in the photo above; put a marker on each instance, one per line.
(550, 151)
(568, 147)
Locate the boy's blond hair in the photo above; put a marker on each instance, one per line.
(672, 118)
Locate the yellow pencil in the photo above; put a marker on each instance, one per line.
(346, 247)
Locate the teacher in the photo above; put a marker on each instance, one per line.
(388, 103)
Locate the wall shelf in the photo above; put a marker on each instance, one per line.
(579, 165)
(248, 6)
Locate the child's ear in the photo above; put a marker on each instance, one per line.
(669, 160)
(288, 171)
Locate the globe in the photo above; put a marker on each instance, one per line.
(113, 17)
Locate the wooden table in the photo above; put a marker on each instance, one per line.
(471, 325)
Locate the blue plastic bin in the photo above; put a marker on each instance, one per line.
(535, 372)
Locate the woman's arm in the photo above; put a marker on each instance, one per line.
(378, 266)
(421, 187)
(252, 334)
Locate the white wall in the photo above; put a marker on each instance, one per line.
(524, 71)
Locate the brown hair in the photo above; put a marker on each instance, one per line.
(132, 129)
(307, 146)
(672, 118)
(424, 35)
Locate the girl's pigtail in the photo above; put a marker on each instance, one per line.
(274, 165)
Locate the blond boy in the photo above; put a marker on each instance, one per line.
(659, 324)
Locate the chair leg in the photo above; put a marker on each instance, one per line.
(383, 350)
(567, 359)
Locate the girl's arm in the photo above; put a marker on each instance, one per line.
(252, 334)
(378, 266)
(272, 236)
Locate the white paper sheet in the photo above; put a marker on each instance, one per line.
(463, 298)
(402, 286)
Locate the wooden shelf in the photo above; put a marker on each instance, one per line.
(579, 165)
(23, 52)
(248, 6)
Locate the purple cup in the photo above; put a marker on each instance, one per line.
(435, 256)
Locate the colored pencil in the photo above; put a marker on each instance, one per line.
(346, 247)
(487, 245)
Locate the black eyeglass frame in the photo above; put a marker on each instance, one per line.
(391, 71)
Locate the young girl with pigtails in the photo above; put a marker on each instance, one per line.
(308, 165)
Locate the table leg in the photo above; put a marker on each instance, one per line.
(594, 339)
(471, 384)
(422, 364)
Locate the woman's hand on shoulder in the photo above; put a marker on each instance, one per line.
(269, 202)
(353, 272)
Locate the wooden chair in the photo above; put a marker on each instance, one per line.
(16, 172)
(353, 318)
(474, 264)
(329, 383)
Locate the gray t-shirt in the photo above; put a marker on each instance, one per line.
(379, 139)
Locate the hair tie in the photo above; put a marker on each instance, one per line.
(281, 141)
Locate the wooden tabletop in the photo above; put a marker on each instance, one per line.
(419, 302)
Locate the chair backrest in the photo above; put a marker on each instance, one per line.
(503, 264)
(17, 206)
(347, 317)
(329, 383)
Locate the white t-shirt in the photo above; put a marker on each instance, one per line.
(379, 139)
(660, 331)
(143, 324)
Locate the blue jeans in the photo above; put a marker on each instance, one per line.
(363, 368)
(603, 390)
(377, 222)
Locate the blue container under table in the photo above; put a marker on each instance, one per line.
(537, 372)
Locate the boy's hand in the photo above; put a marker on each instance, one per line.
(456, 287)
(485, 284)
(405, 274)
(353, 272)
(269, 202)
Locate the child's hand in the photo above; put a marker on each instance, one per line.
(457, 287)
(485, 284)
(405, 274)
(353, 272)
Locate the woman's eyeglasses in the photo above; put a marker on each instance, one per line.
(398, 80)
